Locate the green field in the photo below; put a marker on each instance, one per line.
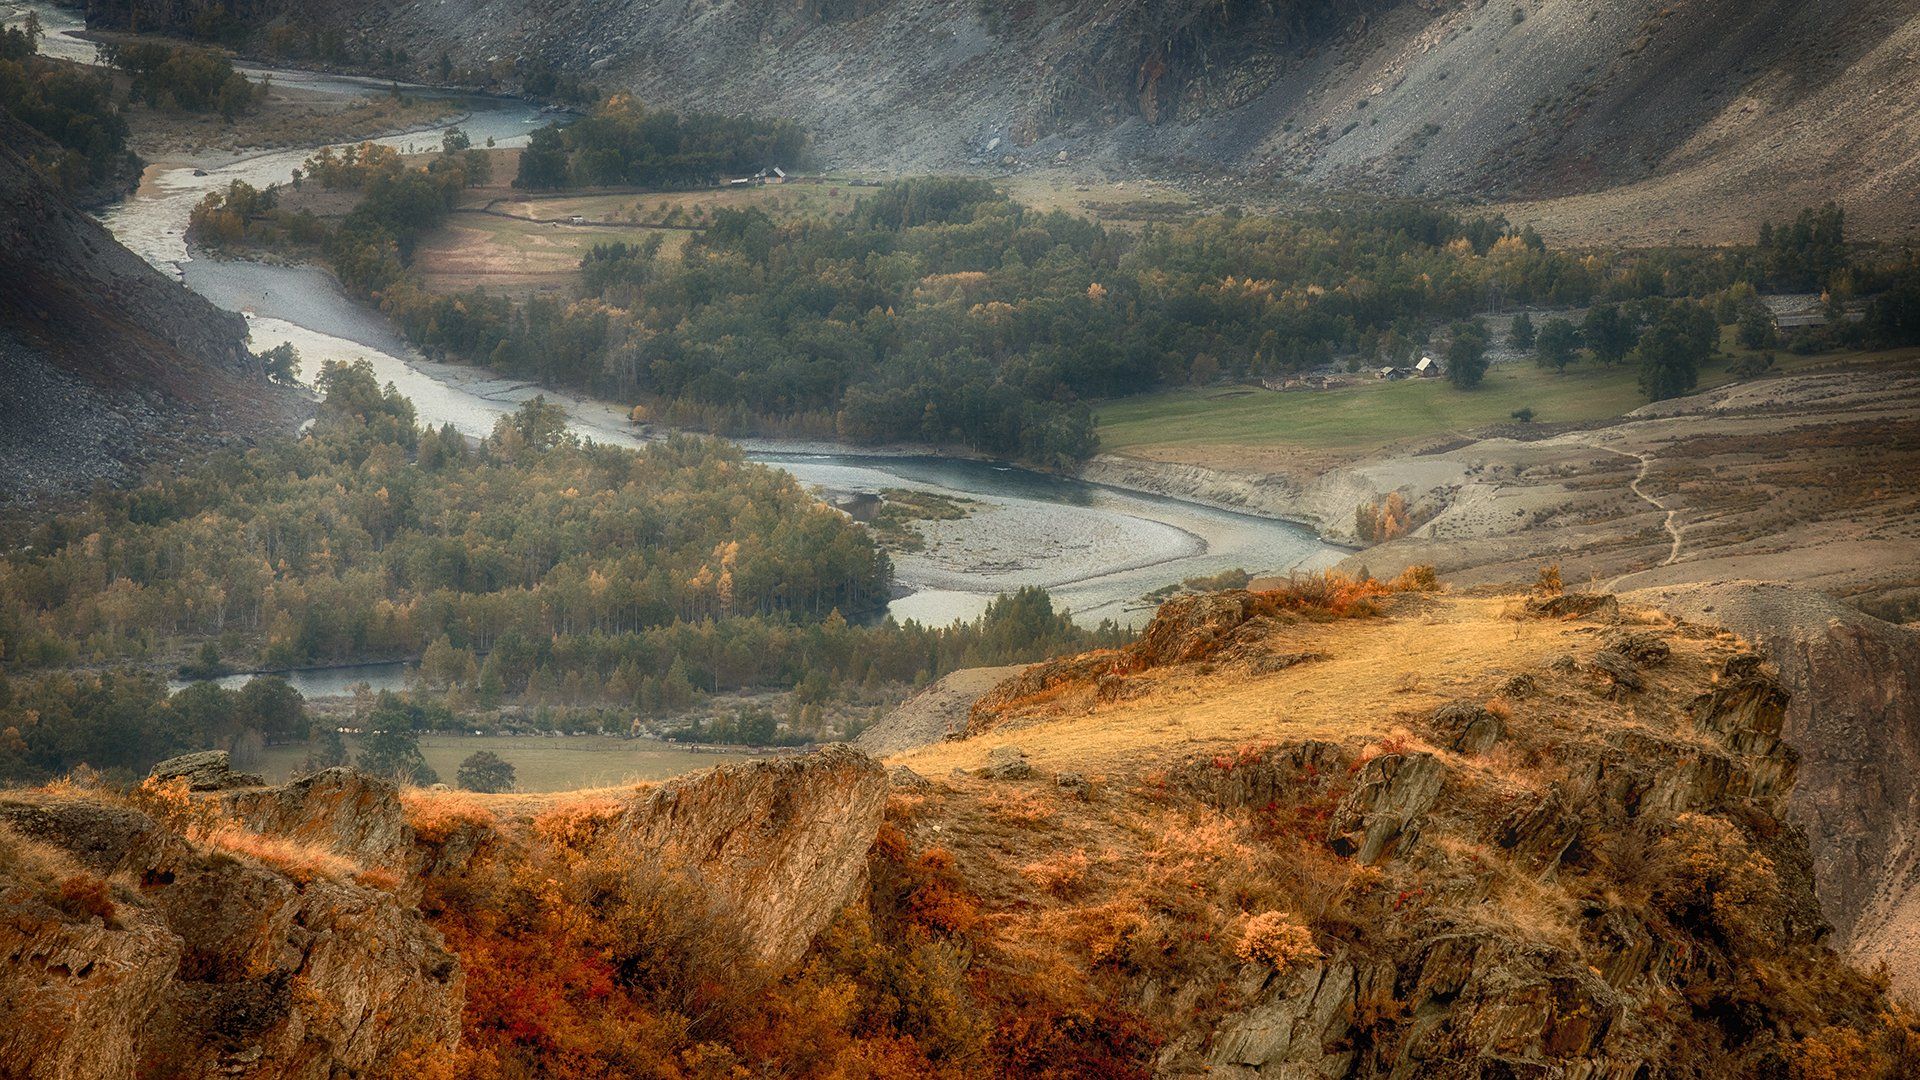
(1374, 414)
(541, 763)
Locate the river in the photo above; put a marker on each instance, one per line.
(1097, 549)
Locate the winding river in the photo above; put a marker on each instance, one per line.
(1097, 549)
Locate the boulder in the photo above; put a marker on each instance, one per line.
(208, 770)
(1007, 763)
(778, 846)
(1468, 728)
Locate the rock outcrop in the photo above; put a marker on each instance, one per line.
(1854, 718)
(129, 950)
(208, 770)
(778, 846)
(345, 811)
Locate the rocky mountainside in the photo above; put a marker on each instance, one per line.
(1855, 718)
(1338, 830)
(211, 926)
(1771, 105)
(105, 364)
(1523, 786)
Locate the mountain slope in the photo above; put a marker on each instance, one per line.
(1754, 108)
(105, 364)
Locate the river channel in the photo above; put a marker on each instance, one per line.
(1097, 549)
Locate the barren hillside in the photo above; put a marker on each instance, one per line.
(1712, 113)
(106, 366)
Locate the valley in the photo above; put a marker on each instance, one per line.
(864, 539)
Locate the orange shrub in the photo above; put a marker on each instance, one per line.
(1273, 938)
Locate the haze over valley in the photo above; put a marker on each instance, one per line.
(911, 538)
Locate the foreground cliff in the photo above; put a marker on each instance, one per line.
(1337, 830)
(1471, 837)
(204, 925)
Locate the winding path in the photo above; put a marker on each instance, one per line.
(1673, 530)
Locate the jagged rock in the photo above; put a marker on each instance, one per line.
(778, 846)
(75, 998)
(1263, 779)
(1647, 650)
(219, 959)
(1382, 813)
(1300, 1030)
(341, 809)
(1075, 785)
(1574, 606)
(1563, 665)
(100, 836)
(1540, 834)
(1855, 719)
(1491, 998)
(208, 770)
(907, 780)
(1748, 716)
(1469, 728)
(1007, 763)
(1617, 672)
(1189, 628)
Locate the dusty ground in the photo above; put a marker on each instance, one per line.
(289, 118)
(928, 716)
(1811, 476)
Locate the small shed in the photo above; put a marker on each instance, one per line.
(1427, 368)
(1800, 320)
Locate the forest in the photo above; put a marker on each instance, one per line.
(941, 311)
(532, 568)
(625, 143)
(184, 77)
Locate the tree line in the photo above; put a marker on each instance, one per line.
(72, 107)
(941, 311)
(531, 568)
(624, 143)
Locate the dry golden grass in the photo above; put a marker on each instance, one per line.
(1377, 675)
